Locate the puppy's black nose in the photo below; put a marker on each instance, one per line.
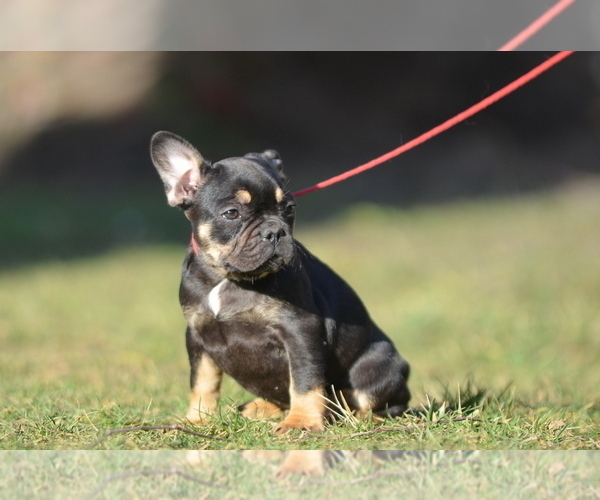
(272, 234)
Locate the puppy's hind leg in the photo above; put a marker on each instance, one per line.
(379, 382)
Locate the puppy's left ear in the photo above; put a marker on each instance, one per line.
(178, 163)
(272, 158)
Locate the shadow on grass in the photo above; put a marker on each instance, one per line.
(38, 225)
(61, 224)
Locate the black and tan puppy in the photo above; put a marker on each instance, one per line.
(260, 307)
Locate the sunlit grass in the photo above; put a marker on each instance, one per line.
(499, 296)
(166, 474)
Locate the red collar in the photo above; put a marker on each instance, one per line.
(195, 248)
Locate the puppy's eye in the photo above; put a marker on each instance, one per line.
(290, 210)
(231, 214)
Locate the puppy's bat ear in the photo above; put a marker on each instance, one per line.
(178, 163)
(272, 158)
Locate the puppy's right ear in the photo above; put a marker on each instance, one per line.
(178, 164)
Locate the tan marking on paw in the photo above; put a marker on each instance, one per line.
(259, 409)
(359, 402)
(206, 391)
(307, 412)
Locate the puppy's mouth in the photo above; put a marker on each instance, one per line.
(271, 265)
(261, 249)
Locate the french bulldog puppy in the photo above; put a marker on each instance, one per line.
(262, 308)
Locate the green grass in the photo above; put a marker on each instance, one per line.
(494, 303)
(166, 474)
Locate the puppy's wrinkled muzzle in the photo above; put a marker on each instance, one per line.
(266, 249)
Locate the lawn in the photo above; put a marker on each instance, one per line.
(491, 475)
(494, 303)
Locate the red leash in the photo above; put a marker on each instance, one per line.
(537, 25)
(496, 96)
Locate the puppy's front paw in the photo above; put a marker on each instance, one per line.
(307, 412)
(196, 420)
(306, 462)
(195, 416)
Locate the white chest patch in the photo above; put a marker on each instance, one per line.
(214, 301)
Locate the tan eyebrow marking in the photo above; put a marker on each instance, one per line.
(279, 195)
(243, 196)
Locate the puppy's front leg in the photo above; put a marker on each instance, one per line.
(307, 412)
(307, 382)
(205, 381)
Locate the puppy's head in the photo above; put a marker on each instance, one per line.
(241, 216)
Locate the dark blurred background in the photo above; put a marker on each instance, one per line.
(75, 173)
(292, 24)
